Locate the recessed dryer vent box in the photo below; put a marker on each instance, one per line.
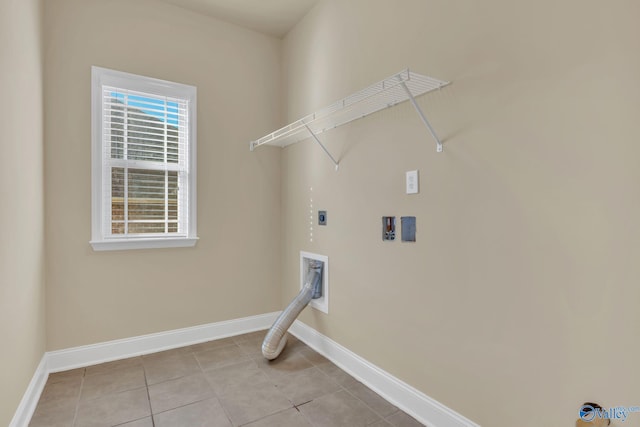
(321, 303)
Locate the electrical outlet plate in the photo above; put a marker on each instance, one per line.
(412, 182)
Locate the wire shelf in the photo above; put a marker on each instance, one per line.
(391, 91)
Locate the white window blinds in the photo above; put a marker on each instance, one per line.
(145, 187)
(145, 164)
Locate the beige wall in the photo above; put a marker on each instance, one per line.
(234, 270)
(519, 300)
(22, 328)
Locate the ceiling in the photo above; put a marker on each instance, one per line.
(273, 17)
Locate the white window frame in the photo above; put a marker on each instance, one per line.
(104, 77)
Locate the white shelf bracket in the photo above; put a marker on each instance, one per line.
(423, 117)
(313, 135)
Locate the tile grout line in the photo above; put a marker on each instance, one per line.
(146, 383)
(346, 389)
(370, 407)
(297, 406)
(184, 406)
(204, 374)
(270, 381)
(77, 408)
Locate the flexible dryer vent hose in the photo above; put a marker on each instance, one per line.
(276, 338)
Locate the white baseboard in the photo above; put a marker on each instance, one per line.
(415, 403)
(62, 360)
(30, 398)
(88, 355)
(423, 408)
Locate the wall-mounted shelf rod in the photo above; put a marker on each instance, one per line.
(423, 117)
(313, 135)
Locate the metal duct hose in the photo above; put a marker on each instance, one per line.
(276, 338)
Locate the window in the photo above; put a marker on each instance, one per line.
(143, 162)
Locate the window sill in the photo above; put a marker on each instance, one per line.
(158, 243)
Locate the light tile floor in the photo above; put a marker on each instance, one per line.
(220, 383)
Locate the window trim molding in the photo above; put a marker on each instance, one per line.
(155, 243)
(103, 76)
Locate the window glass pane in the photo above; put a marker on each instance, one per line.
(173, 196)
(172, 144)
(146, 140)
(145, 227)
(117, 129)
(146, 198)
(149, 127)
(117, 195)
(117, 227)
